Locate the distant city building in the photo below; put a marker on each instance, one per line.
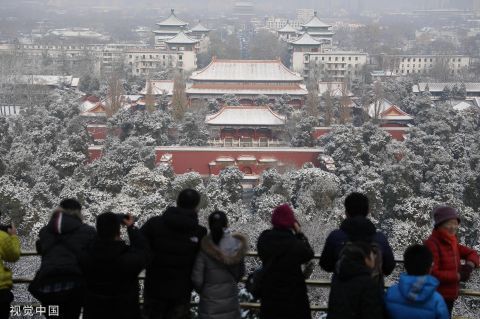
(319, 30)
(472, 89)
(276, 24)
(422, 64)
(288, 32)
(380, 75)
(72, 33)
(243, 10)
(308, 55)
(180, 52)
(50, 81)
(168, 28)
(198, 31)
(246, 79)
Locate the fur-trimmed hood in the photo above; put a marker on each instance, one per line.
(219, 254)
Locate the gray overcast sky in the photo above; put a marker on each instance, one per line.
(370, 5)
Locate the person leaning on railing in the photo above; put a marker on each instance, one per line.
(9, 251)
(174, 240)
(218, 268)
(448, 253)
(356, 207)
(283, 250)
(111, 269)
(59, 282)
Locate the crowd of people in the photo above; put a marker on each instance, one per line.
(92, 268)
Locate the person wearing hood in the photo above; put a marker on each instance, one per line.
(415, 295)
(59, 281)
(218, 268)
(174, 240)
(355, 294)
(356, 227)
(111, 269)
(448, 253)
(283, 250)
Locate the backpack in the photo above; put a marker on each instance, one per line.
(50, 288)
(254, 282)
(377, 271)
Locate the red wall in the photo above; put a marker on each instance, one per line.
(97, 132)
(397, 132)
(320, 131)
(198, 159)
(94, 153)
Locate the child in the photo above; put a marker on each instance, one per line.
(415, 295)
(354, 293)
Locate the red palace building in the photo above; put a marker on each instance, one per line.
(392, 119)
(248, 137)
(246, 126)
(246, 79)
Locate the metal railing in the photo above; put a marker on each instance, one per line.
(254, 305)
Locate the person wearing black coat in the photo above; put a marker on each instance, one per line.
(111, 269)
(356, 207)
(283, 249)
(174, 239)
(354, 294)
(60, 243)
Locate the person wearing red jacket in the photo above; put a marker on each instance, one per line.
(448, 253)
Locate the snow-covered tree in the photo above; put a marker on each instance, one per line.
(193, 133)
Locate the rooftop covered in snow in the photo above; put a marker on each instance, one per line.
(246, 115)
(386, 110)
(172, 21)
(471, 87)
(306, 39)
(181, 38)
(246, 70)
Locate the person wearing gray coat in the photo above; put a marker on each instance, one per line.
(218, 268)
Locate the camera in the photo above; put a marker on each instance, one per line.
(122, 217)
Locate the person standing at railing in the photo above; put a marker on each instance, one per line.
(356, 210)
(174, 240)
(218, 268)
(415, 295)
(355, 294)
(59, 282)
(111, 269)
(10, 252)
(283, 249)
(448, 253)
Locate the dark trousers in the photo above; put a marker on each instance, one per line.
(450, 306)
(6, 297)
(166, 309)
(68, 308)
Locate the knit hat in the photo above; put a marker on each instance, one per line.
(283, 217)
(443, 213)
